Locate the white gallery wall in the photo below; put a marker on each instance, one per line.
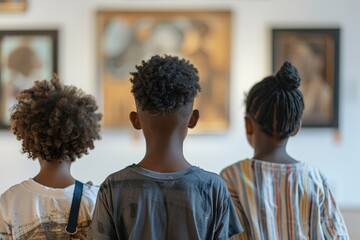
(251, 61)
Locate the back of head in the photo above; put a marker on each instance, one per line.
(276, 103)
(164, 84)
(55, 122)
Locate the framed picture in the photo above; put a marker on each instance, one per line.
(12, 5)
(25, 56)
(127, 37)
(315, 54)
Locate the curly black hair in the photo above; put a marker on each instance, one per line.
(276, 103)
(164, 84)
(55, 122)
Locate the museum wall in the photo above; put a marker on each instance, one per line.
(334, 150)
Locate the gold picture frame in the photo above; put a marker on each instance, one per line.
(127, 37)
(13, 5)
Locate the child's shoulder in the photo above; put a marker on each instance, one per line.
(248, 166)
(209, 178)
(208, 174)
(90, 188)
(121, 174)
(19, 187)
(17, 191)
(236, 165)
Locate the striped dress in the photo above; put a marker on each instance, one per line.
(283, 201)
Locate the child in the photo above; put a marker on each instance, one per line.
(56, 125)
(276, 196)
(164, 196)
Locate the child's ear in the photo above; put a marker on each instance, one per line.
(134, 119)
(194, 118)
(249, 125)
(297, 128)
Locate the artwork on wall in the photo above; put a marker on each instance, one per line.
(315, 53)
(12, 5)
(127, 37)
(25, 56)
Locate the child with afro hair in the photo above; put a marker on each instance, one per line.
(56, 124)
(164, 196)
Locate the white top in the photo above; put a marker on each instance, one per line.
(30, 210)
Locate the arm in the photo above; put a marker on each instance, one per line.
(102, 225)
(332, 221)
(5, 229)
(227, 223)
(246, 234)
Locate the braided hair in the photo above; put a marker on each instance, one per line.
(164, 84)
(276, 103)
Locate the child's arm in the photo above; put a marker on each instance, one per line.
(5, 229)
(246, 234)
(102, 225)
(332, 221)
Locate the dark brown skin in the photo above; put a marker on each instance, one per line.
(267, 148)
(54, 174)
(164, 135)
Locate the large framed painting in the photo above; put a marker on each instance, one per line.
(127, 37)
(25, 56)
(315, 53)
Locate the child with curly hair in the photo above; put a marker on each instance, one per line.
(276, 196)
(56, 124)
(164, 196)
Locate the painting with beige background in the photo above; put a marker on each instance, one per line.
(315, 53)
(25, 56)
(13, 5)
(127, 37)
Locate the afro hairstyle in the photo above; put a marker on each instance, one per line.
(164, 84)
(55, 122)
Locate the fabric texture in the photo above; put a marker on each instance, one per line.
(30, 210)
(136, 203)
(283, 201)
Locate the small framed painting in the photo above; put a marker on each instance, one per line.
(25, 56)
(315, 54)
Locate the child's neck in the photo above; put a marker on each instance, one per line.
(164, 156)
(277, 156)
(273, 151)
(54, 174)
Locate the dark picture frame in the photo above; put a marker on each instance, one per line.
(13, 5)
(127, 37)
(25, 56)
(315, 53)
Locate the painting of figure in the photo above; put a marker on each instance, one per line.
(315, 53)
(26, 56)
(126, 38)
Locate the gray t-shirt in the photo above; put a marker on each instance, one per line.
(136, 203)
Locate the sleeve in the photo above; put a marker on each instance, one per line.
(332, 222)
(246, 234)
(227, 223)
(5, 229)
(102, 225)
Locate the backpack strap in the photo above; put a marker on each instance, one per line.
(71, 227)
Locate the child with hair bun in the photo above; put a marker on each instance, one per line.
(277, 196)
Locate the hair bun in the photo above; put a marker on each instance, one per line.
(288, 76)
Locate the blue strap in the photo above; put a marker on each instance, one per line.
(71, 228)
